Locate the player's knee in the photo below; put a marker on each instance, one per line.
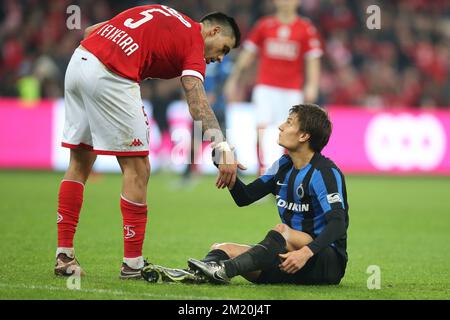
(214, 246)
(283, 229)
(228, 248)
(221, 246)
(80, 165)
(82, 159)
(143, 170)
(137, 173)
(142, 180)
(147, 171)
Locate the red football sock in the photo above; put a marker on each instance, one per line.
(134, 223)
(70, 200)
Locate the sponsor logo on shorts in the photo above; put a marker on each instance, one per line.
(136, 143)
(333, 198)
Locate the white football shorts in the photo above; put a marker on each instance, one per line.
(103, 111)
(272, 104)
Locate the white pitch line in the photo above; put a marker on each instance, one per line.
(107, 291)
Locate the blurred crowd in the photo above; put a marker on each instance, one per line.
(405, 63)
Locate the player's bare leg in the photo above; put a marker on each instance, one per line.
(295, 240)
(70, 200)
(136, 174)
(80, 165)
(215, 269)
(133, 204)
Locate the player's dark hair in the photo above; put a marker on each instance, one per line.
(315, 121)
(224, 20)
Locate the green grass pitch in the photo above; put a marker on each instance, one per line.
(400, 224)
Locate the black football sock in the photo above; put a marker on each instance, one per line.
(259, 257)
(216, 255)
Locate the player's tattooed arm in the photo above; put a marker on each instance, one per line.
(201, 111)
(199, 106)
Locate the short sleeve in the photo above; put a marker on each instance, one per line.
(194, 64)
(312, 42)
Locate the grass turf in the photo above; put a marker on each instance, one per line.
(399, 224)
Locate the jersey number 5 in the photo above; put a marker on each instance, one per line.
(130, 23)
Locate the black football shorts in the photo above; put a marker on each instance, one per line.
(326, 267)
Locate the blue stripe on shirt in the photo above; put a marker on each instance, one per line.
(339, 185)
(321, 205)
(320, 190)
(297, 219)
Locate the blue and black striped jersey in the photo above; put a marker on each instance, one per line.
(312, 199)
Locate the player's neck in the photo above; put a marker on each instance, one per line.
(202, 30)
(286, 17)
(300, 158)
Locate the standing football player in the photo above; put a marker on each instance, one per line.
(289, 51)
(105, 114)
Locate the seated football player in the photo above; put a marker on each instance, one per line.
(309, 245)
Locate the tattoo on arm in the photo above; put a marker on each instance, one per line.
(199, 107)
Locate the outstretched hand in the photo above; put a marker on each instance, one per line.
(228, 170)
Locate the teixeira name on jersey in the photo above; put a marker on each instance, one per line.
(120, 37)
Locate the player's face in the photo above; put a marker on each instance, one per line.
(290, 136)
(287, 5)
(217, 46)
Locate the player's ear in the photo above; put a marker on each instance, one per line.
(216, 30)
(303, 137)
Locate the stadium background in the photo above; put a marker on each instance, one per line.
(387, 92)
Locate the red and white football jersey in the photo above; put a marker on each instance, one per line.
(282, 50)
(151, 41)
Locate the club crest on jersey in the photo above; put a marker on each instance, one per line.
(130, 233)
(284, 32)
(300, 191)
